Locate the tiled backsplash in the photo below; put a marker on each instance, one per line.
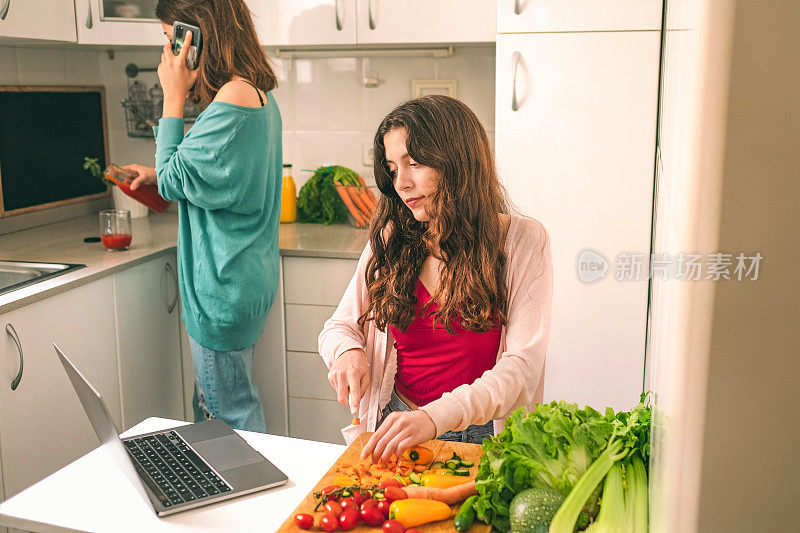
(328, 114)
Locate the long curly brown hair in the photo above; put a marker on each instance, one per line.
(229, 44)
(464, 229)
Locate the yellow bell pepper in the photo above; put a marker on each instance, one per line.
(444, 481)
(413, 512)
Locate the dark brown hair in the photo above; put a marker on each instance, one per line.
(230, 44)
(464, 228)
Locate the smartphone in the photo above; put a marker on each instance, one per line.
(179, 30)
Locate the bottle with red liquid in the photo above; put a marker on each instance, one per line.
(145, 194)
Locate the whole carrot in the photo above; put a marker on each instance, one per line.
(369, 192)
(350, 205)
(353, 192)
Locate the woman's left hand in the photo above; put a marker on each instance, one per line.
(175, 78)
(400, 431)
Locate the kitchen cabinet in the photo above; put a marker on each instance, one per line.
(575, 137)
(47, 20)
(312, 290)
(304, 22)
(42, 424)
(426, 21)
(148, 339)
(111, 22)
(521, 16)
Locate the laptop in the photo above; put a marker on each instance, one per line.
(180, 468)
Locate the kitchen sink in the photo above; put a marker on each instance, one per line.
(17, 274)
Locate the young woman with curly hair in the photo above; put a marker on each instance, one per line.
(443, 329)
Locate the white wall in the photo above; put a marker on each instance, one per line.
(328, 115)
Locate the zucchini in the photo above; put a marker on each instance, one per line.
(437, 464)
(461, 471)
(415, 478)
(466, 514)
(467, 464)
(452, 464)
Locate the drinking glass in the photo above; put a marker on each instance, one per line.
(115, 229)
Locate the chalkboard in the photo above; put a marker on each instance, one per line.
(45, 133)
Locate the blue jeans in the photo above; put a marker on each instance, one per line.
(474, 433)
(224, 388)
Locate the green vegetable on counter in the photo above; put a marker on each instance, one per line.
(318, 201)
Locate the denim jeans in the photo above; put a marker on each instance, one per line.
(474, 433)
(224, 388)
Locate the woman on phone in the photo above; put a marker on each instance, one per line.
(444, 326)
(225, 175)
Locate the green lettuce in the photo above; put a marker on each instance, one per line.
(553, 446)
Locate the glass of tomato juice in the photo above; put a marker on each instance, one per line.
(115, 229)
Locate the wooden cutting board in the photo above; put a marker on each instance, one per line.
(443, 450)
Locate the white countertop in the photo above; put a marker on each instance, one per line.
(92, 494)
(152, 236)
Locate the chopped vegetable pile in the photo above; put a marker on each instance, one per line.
(578, 452)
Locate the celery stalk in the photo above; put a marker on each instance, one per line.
(567, 515)
(612, 517)
(637, 487)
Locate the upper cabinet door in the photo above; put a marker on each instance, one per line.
(304, 22)
(426, 21)
(112, 22)
(51, 20)
(524, 16)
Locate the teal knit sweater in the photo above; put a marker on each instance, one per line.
(225, 174)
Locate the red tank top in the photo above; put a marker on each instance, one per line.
(431, 363)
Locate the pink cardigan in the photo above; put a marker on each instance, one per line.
(517, 378)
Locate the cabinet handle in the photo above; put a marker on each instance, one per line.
(517, 7)
(174, 276)
(339, 25)
(13, 334)
(89, 22)
(4, 9)
(514, 64)
(372, 24)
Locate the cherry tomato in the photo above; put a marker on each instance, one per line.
(393, 493)
(393, 526)
(349, 519)
(304, 521)
(328, 490)
(391, 482)
(372, 502)
(372, 516)
(349, 503)
(383, 507)
(329, 522)
(361, 496)
(335, 508)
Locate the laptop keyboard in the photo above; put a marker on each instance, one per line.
(172, 470)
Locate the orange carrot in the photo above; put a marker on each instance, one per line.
(362, 191)
(456, 494)
(369, 192)
(365, 210)
(350, 205)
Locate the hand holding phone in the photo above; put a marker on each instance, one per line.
(179, 30)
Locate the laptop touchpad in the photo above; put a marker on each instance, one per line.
(224, 453)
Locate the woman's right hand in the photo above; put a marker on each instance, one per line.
(144, 175)
(349, 376)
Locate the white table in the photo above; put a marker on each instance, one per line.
(92, 494)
